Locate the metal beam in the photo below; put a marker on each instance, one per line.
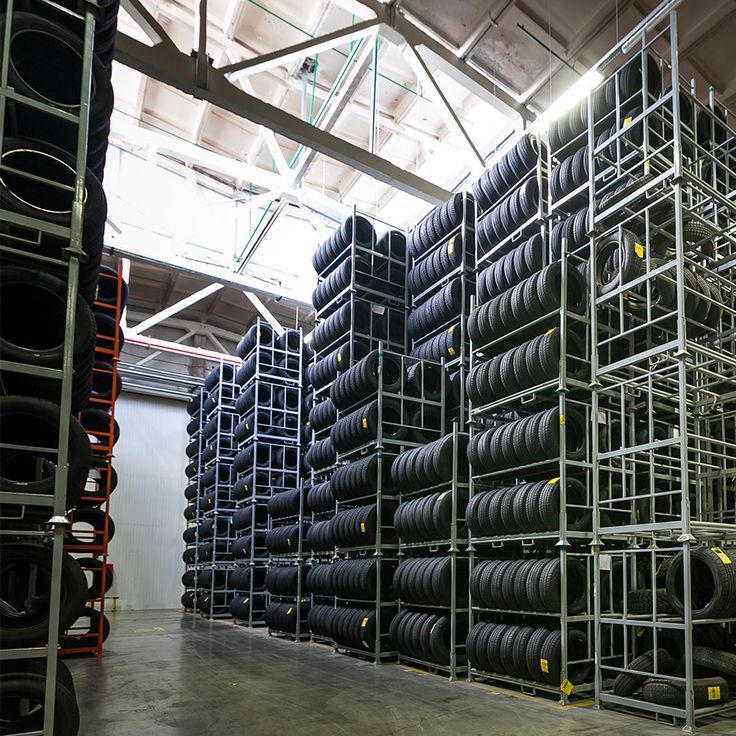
(152, 356)
(332, 109)
(178, 70)
(179, 306)
(172, 347)
(442, 55)
(265, 312)
(214, 274)
(445, 109)
(147, 22)
(309, 47)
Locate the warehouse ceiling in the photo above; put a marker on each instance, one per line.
(529, 52)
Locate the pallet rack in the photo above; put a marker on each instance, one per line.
(569, 394)
(461, 238)
(663, 355)
(107, 349)
(274, 438)
(68, 265)
(454, 547)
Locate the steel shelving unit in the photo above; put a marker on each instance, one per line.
(663, 357)
(67, 266)
(569, 392)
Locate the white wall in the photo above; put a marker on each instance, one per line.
(148, 504)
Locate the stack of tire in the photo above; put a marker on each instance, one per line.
(33, 291)
(508, 196)
(359, 301)
(439, 283)
(267, 492)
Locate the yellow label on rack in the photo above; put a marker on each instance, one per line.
(640, 632)
(562, 419)
(432, 629)
(258, 333)
(365, 423)
(442, 495)
(451, 350)
(714, 692)
(553, 481)
(549, 332)
(451, 329)
(288, 613)
(451, 246)
(628, 120)
(245, 600)
(544, 664)
(365, 644)
(722, 556)
(567, 687)
(362, 527)
(639, 250)
(364, 622)
(339, 357)
(288, 541)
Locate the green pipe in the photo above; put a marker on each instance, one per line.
(254, 230)
(337, 51)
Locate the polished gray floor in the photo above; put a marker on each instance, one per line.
(167, 674)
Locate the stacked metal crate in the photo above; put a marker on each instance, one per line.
(360, 307)
(268, 463)
(662, 323)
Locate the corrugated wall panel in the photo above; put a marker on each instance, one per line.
(149, 502)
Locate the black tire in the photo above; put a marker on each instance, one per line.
(713, 583)
(31, 421)
(715, 661)
(17, 687)
(94, 567)
(95, 518)
(706, 691)
(627, 683)
(30, 628)
(87, 635)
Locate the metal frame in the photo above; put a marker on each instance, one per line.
(69, 263)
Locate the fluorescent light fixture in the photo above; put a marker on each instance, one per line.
(568, 99)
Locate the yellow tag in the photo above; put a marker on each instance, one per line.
(567, 687)
(451, 329)
(628, 120)
(364, 622)
(549, 332)
(451, 350)
(245, 600)
(339, 357)
(639, 632)
(722, 556)
(552, 481)
(365, 644)
(362, 527)
(247, 426)
(562, 418)
(639, 250)
(288, 541)
(451, 247)
(544, 664)
(365, 423)
(288, 613)
(432, 629)
(442, 495)
(258, 333)
(714, 693)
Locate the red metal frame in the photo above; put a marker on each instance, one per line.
(108, 349)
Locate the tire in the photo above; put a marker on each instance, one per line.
(715, 661)
(714, 583)
(16, 560)
(31, 421)
(16, 687)
(89, 636)
(627, 683)
(706, 691)
(94, 566)
(96, 518)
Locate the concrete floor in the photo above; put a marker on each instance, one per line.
(166, 674)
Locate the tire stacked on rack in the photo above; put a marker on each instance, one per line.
(269, 435)
(359, 303)
(33, 291)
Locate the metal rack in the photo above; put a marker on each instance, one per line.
(108, 350)
(455, 547)
(460, 238)
(67, 265)
(274, 438)
(663, 357)
(568, 394)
